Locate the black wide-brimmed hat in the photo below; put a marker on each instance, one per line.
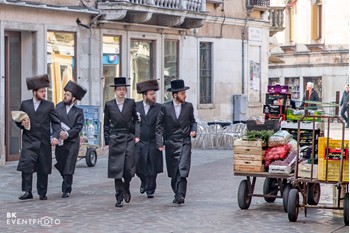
(120, 82)
(37, 82)
(147, 85)
(76, 90)
(177, 85)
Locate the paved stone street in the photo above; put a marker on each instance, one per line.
(211, 204)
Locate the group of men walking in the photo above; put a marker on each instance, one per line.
(136, 134)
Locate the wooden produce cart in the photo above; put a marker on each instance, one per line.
(334, 172)
(248, 162)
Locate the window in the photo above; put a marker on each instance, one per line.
(316, 20)
(111, 65)
(141, 64)
(171, 49)
(294, 87)
(205, 79)
(60, 63)
(274, 81)
(317, 81)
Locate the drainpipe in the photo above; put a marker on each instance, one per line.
(90, 70)
(243, 35)
(93, 22)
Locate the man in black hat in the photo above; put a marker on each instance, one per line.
(36, 155)
(72, 122)
(121, 131)
(175, 127)
(149, 160)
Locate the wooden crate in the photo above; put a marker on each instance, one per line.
(248, 156)
(304, 170)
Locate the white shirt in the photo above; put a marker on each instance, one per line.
(146, 107)
(36, 103)
(120, 105)
(68, 108)
(177, 109)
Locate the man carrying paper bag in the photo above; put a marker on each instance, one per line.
(36, 155)
(21, 117)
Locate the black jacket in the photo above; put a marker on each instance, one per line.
(66, 155)
(120, 130)
(175, 135)
(36, 155)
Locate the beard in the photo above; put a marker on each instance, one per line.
(68, 102)
(151, 101)
(178, 99)
(38, 97)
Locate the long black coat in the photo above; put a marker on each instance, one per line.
(120, 130)
(176, 135)
(66, 155)
(36, 154)
(149, 160)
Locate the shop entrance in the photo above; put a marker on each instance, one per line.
(12, 93)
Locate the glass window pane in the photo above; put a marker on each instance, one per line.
(141, 65)
(205, 73)
(111, 65)
(171, 49)
(60, 62)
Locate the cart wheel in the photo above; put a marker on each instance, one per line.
(286, 190)
(314, 193)
(270, 185)
(91, 157)
(243, 198)
(346, 209)
(293, 205)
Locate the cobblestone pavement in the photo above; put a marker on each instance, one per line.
(211, 204)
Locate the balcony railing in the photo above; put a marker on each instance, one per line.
(189, 5)
(168, 13)
(276, 17)
(259, 2)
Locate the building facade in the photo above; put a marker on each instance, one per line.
(314, 47)
(220, 48)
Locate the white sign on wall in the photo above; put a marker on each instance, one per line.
(255, 34)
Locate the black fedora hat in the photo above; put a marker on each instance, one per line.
(37, 82)
(76, 90)
(147, 85)
(120, 82)
(177, 85)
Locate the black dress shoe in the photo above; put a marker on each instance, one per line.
(43, 197)
(119, 204)
(127, 196)
(150, 195)
(65, 195)
(179, 200)
(26, 195)
(142, 189)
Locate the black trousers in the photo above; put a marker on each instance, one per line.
(179, 185)
(345, 109)
(121, 187)
(149, 183)
(67, 183)
(41, 184)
